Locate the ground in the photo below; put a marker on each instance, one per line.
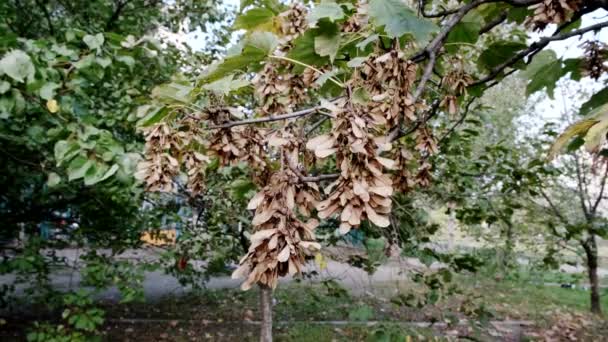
(486, 309)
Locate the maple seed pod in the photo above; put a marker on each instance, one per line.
(363, 191)
(552, 12)
(159, 167)
(594, 61)
(293, 21)
(281, 241)
(389, 79)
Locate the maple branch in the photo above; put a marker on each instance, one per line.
(580, 184)
(318, 178)
(316, 125)
(492, 24)
(535, 47)
(115, 14)
(601, 195)
(47, 16)
(459, 122)
(300, 113)
(553, 207)
(446, 12)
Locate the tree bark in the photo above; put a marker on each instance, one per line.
(590, 247)
(266, 308)
(509, 245)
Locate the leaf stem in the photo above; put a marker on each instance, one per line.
(338, 83)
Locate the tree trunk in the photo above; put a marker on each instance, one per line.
(451, 226)
(509, 245)
(590, 247)
(266, 308)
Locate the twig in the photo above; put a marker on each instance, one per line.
(318, 178)
(338, 83)
(492, 24)
(271, 118)
(459, 122)
(537, 46)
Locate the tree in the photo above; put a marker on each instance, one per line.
(574, 196)
(375, 75)
(72, 74)
(373, 78)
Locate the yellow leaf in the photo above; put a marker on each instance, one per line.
(320, 261)
(52, 106)
(573, 130)
(596, 136)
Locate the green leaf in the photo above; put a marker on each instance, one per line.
(126, 60)
(225, 85)
(361, 96)
(47, 91)
(467, 30)
(17, 65)
(79, 167)
(362, 313)
(257, 47)
(498, 53)
(304, 51)
(241, 187)
(104, 62)
(65, 150)
(574, 67)
(85, 62)
(398, 19)
(253, 18)
(94, 42)
(364, 43)
(541, 59)
(328, 42)
(597, 100)
(324, 77)
(99, 173)
(154, 116)
(329, 10)
(173, 92)
(4, 87)
(53, 180)
(356, 62)
(546, 77)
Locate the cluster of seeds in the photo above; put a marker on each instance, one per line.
(552, 12)
(281, 241)
(389, 79)
(363, 190)
(159, 167)
(594, 61)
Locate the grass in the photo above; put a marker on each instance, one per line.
(218, 314)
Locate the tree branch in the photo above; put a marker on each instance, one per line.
(459, 122)
(553, 207)
(446, 12)
(112, 20)
(580, 185)
(492, 24)
(535, 47)
(47, 16)
(601, 195)
(300, 113)
(314, 179)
